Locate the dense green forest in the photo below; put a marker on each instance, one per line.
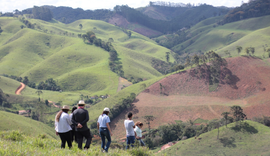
(254, 8)
(184, 16)
(69, 15)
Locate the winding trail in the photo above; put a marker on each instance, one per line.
(53, 104)
(214, 112)
(20, 88)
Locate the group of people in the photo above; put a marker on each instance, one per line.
(74, 125)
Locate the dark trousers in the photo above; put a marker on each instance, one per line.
(73, 136)
(104, 133)
(65, 137)
(88, 137)
(130, 141)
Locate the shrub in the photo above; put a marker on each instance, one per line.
(141, 151)
(14, 136)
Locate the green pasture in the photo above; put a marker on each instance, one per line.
(10, 121)
(205, 36)
(252, 139)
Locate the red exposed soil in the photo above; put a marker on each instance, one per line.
(188, 97)
(20, 88)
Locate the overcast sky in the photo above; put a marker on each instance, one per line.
(10, 5)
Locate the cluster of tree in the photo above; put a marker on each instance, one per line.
(27, 23)
(254, 8)
(185, 130)
(215, 70)
(69, 15)
(174, 39)
(49, 84)
(119, 107)
(114, 63)
(42, 13)
(168, 4)
(166, 67)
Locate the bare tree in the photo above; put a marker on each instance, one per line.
(148, 119)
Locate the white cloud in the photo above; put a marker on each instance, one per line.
(10, 5)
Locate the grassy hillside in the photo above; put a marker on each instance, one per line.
(67, 59)
(251, 32)
(251, 139)
(28, 145)
(10, 121)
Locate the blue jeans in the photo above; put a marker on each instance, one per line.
(104, 132)
(130, 140)
(141, 141)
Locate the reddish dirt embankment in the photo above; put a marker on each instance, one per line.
(20, 88)
(188, 97)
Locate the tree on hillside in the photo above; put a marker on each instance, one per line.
(227, 52)
(187, 62)
(160, 88)
(167, 57)
(238, 114)
(225, 116)
(39, 92)
(1, 30)
(252, 50)
(247, 51)
(148, 119)
(239, 49)
(25, 80)
(81, 26)
(129, 34)
(196, 60)
(22, 26)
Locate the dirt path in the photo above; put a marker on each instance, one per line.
(20, 88)
(214, 112)
(53, 104)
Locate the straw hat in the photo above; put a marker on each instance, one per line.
(106, 109)
(81, 102)
(65, 107)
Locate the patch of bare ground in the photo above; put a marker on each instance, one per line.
(122, 83)
(187, 97)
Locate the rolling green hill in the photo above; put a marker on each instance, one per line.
(46, 52)
(251, 32)
(252, 139)
(10, 121)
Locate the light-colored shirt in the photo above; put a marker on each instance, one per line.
(129, 127)
(103, 120)
(138, 131)
(64, 123)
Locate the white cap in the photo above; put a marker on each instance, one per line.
(106, 109)
(81, 102)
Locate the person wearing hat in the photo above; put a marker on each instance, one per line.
(62, 126)
(80, 118)
(104, 129)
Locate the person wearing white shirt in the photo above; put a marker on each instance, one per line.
(138, 131)
(129, 125)
(62, 126)
(104, 129)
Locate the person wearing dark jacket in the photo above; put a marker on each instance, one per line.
(73, 126)
(80, 118)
